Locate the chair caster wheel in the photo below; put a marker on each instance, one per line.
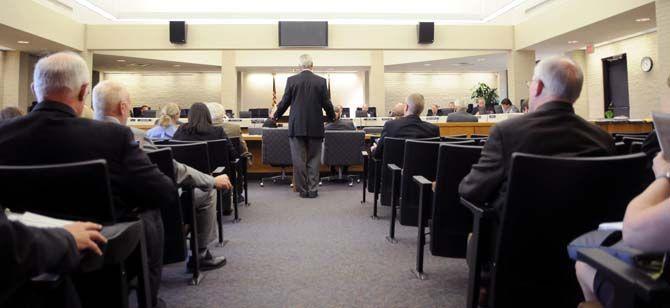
(358, 180)
(291, 185)
(320, 183)
(262, 184)
(351, 184)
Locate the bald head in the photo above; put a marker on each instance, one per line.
(398, 110)
(62, 77)
(110, 98)
(414, 104)
(556, 79)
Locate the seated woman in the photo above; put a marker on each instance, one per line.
(646, 226)
(200, 127)
(167, 123)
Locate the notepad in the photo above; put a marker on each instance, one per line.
(611, 226)
(38, 221)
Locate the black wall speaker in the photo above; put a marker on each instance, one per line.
(178, 32)
(426, 32)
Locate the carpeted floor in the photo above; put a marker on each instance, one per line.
(325, 252)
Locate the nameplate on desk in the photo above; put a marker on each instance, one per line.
(386, 119)
(369, 119)
(147, 120)
(431, 118)
(234, 120)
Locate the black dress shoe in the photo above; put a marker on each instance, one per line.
(312, 194)
(208, 262)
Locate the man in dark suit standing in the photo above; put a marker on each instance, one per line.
(339, 123)
(307, 94)
(551, 128)
(53, 133)
(409, 126)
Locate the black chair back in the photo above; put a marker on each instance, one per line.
(636, 147)
(192, 154)
(394, 150)
(420, 158)
(74, 191)
(621, 148)
(373, 130)
(174, 245)
(551, 201)
(451, 222)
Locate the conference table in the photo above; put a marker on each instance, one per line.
(254, 142)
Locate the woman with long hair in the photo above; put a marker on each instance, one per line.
(167, 123)
(200, 127)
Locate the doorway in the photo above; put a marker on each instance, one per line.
(615, 80)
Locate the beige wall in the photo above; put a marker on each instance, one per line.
(642, 87)
(663, 24)
(157, 89)
(347, 88)
(138, 37)
(436, 88)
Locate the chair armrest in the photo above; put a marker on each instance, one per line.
(394, 167)
(477, 211)
(624, 275)
(235, 161)
(219, 171)
(421, 181)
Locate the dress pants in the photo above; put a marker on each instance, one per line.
(306, 156)
(205, 205)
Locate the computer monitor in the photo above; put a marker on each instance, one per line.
(372, 112)
(470, 108)
(444, 111)
(229, 113)
(346, 112)
(149, 114)
(497, 109)
(137, 112)
(259, 112)
(183, 113)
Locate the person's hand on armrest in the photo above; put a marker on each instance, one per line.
(222, 182)
(87, 236)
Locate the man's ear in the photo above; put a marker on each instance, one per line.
(539, 88)
(83, 91)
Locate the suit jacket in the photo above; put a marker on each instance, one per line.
(406, 127)
(461, 116)
(512, 109)
(341, 124)
(553, 129)
(184, 175)
(26, 252)
(53, 134)
(307, 94)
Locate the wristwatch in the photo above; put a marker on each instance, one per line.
(665, 175)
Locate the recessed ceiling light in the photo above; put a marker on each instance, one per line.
(645, 19)
(573, 42)
(481, 59)
(23, 42)
(120, 60)
(132, 64)
(427, 64)
(177, 65)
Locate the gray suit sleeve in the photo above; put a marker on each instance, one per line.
(186, 175)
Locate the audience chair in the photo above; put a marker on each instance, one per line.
(541, 216)
(343, 148)
(619, 136)
(195, 155)
(373, 130)
(450, 222)
(175, 240)
(628, 141)
(633, 287)
(621, 148)
(242, 167)
(636, 147)
(92, 202)
(276, 152)
(474, 136)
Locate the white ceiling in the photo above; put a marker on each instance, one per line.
(482, 63)
(269, 11)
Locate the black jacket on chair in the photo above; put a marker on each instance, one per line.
(410, 127)
(553, 129)
(306, 94)
(53, 134)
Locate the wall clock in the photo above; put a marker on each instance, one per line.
(646, 64)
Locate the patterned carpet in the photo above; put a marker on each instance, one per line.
(325, 252)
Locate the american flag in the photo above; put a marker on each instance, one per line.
(274, 91)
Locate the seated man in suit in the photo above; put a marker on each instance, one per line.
(26, 252)
(460, 114)
(507, 106)
(53, 133)
(339, 123)
(409, 126)
(481, 109)
(551, 128)
(112, 101)
(398, 110)
(364, 112)
(433, 111)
